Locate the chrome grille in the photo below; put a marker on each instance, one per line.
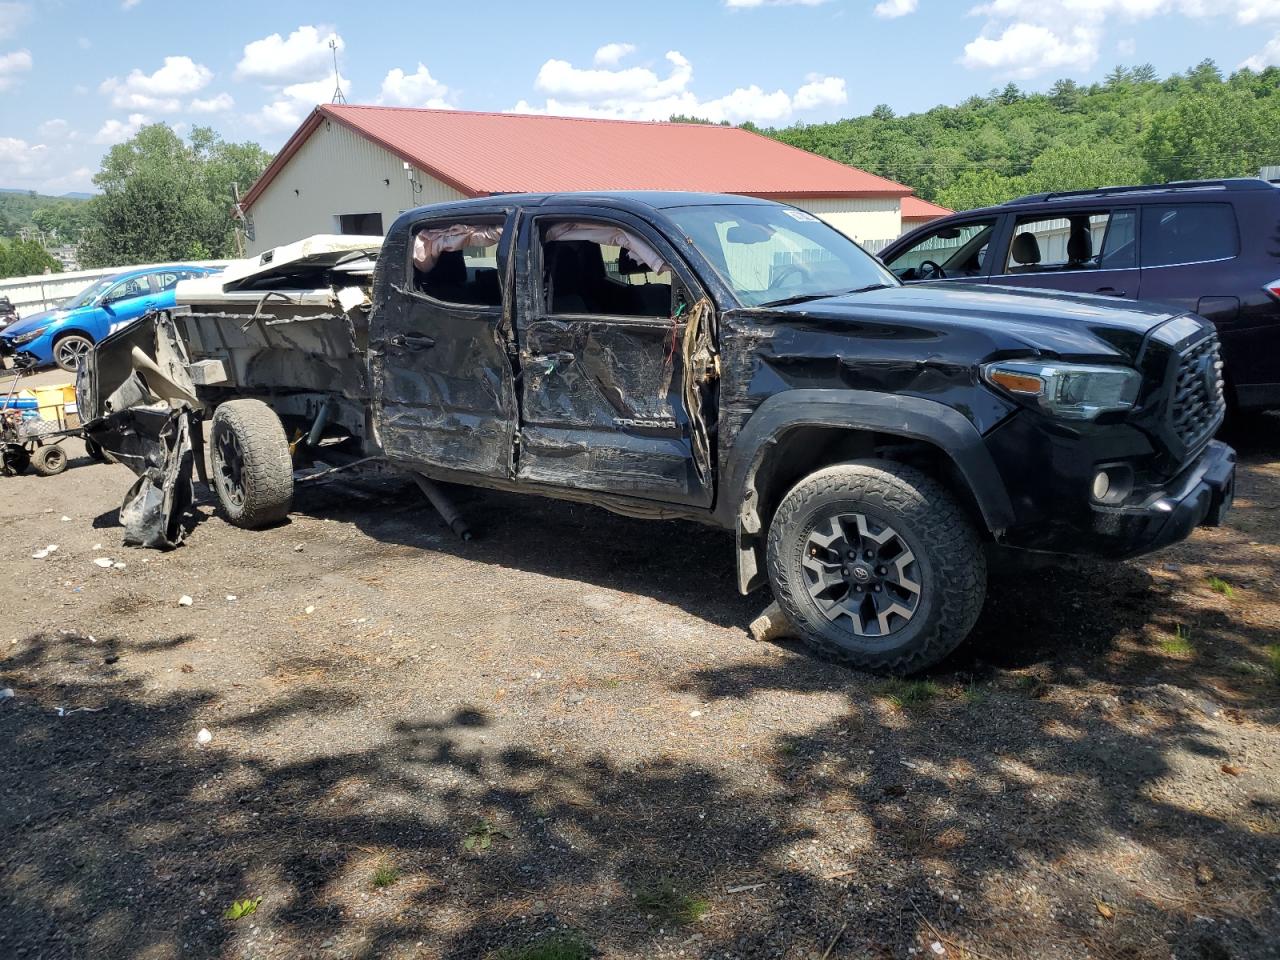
(1198, 401)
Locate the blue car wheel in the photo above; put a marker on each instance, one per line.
(69, 350)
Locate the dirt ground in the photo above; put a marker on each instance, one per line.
(558, 741)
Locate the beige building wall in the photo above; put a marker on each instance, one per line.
(864, 219)
(337, 172)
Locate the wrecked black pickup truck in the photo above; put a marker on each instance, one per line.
(730, 360)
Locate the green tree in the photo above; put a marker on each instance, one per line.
(165, 199)
(23, 258)
(1225, 133)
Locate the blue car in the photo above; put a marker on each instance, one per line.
(66, 333)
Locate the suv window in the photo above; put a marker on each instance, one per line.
(458, 263)
(1073, 241)
(1188, 233)
(603, 270)
(959, 249)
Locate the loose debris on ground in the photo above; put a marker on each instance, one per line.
(367, 739)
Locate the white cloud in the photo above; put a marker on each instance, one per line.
(417, 89)
(748, 4)
(820, 92)
(129, 4)
(639, 93)
(1022, 39)
(56, 129)
(160, 91)
(219, 103)
(612, 53)
(1127, 47)
(11, 65)
(12, 16)
(889, 9)
(1025, 49)
(36, 166)
(118, 131)
(277, 61)
(19, 159)
(84, 43)
(1268, 56)
(294, 103)
(559, 78)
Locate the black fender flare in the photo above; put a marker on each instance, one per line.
(913, 418)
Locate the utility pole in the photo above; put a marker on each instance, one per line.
(337, 79)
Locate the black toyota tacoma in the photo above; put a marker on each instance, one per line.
(729, 360)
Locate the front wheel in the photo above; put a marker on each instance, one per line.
(876, 564)
(252, 467)
(70, 350)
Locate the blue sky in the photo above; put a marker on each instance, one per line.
(78, 75)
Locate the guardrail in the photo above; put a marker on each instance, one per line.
(43, 291)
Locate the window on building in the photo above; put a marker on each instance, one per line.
(1073, 241)
(1188, 233)
(360, 224)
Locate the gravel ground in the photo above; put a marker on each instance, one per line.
(419, 747)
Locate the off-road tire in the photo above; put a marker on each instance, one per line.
(266, 472)
(49, 460)
(949, 556)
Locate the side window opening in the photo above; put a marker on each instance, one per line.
(458, 263)
(960, 250)
(599, 269)
(1072, 241)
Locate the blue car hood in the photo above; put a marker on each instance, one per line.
(29, 323)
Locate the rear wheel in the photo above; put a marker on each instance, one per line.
(876, 565)
(252, 467)
(49, 460)
(68, 351)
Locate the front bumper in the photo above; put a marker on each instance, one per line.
(1200, 495)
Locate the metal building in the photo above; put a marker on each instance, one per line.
(354, 169)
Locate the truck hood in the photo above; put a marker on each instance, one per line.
(1047, 322)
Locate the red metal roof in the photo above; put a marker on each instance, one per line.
(485, 153)
(913, 208)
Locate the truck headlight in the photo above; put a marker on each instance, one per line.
(1072, 391)
(30, 335)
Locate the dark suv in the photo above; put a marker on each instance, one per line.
(1212, 247)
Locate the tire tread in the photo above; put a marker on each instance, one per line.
(935, 517)
(268, 465)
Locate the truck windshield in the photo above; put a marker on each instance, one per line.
(770, 255)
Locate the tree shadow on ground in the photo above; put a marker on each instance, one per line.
(951, 820)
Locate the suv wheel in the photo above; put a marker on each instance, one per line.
(68, 351)
(252, 467)
(876, 565)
